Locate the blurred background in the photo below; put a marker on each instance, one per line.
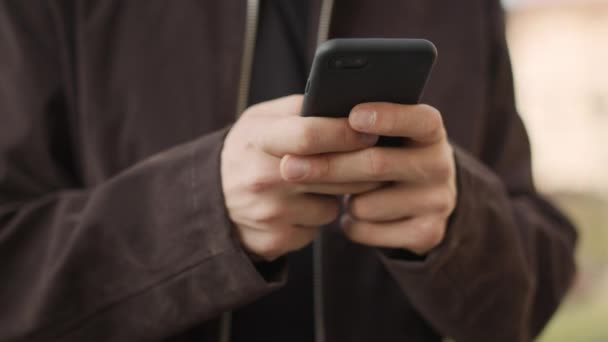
(559, 50)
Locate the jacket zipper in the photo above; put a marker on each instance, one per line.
(249, 40)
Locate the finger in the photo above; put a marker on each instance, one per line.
(301, 209)
(419, 165)
(313, 210)
(311, 135)
(421, 123)
(419, 235)
(290, 105)
(401, 201)
(301, 237)
(338, 189)
(261, 176)
(271, 245)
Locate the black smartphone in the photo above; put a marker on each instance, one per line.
(350, 71)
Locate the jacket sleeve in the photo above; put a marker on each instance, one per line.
(140, 256)
(507, 259)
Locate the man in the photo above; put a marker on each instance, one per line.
(133, 209)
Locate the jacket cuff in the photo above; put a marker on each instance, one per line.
(479, 264)
(195, 266)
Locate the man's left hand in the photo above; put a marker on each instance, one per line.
(412, 211)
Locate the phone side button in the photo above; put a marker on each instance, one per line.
(307, 86)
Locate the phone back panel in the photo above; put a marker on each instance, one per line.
(393, 70)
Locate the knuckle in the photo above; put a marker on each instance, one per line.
(443, 203)
(269, 212)
(321, 166)
(440, 169)
(378, 165)
(248, 112)
(358, 208)
(356, 231)
(434, 123)
(393, 123)
(344, 135)
(434, 115)
(294, 99)
(261, 183)
(273, 245)
(256, 109)
(431, 234)
(307, 138)
(362, 233)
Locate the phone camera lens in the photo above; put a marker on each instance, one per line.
(349, 62)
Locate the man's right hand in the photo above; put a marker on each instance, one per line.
(274, 216)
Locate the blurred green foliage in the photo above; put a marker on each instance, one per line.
(584, 315)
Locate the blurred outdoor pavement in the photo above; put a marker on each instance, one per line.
(559, 50)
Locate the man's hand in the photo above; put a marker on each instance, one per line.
(274, 216)
(411, 212)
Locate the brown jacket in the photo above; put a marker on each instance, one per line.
(112, 224)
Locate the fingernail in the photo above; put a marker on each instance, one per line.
(363, 118)
(367, 139)
(296, 168)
